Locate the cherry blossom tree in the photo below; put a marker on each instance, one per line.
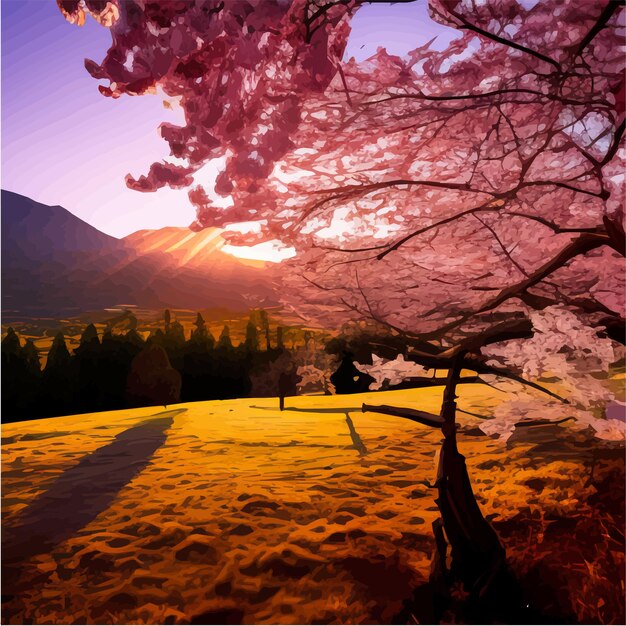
(314, 367)
(466, 197)
(239, 69)
(490, 171)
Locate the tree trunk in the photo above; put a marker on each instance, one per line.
(477, 556)
(281, 403)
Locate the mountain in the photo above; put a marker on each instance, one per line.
(53, 263)
(188, 248)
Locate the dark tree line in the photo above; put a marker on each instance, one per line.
(117, 371)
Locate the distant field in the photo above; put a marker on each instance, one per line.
(231, 511)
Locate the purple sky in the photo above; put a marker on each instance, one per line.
(64, 143)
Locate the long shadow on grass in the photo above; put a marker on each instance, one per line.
(357, 442)
(83, 491)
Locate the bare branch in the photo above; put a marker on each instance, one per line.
(555, 227)
(490, 206)
(348, 190)
(486, 94)
(507, 42)
(421, 417)
(555, 183)
(605, 16)
(542, 422)
(504, 331)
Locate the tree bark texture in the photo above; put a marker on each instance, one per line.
(476, 552)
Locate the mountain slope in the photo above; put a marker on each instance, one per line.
(54, 263)
(198, 250)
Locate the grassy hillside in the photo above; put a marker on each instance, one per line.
(231, 512)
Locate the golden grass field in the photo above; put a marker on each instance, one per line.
(233, 512)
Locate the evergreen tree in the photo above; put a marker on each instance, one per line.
(58, 383)
(231, 369)
(135, 339)
(31, 356)
(198, 366)
(11, 343)
(176, 334)
(59, 356)
(231, 374)
(265, 325)
(118, 351)
(157, 337)
(252, 338)
(112, 376)
(224, 339)
(175, 345)
(14, 374)
(32, 390)
(89, 340)
(201, 336)
(87, 372)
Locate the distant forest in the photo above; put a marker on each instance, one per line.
(123, 370)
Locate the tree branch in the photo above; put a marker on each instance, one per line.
(490, 206)
(508, 254)
(504, 331)
(421, 417)
(554, 183)
(507, 42)
(605, 16)
(581, 245)
(483, 368)
(350, 189)
(486, 94)
(421, 382)
(477, 364)
(542, 422)
(554, 226)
